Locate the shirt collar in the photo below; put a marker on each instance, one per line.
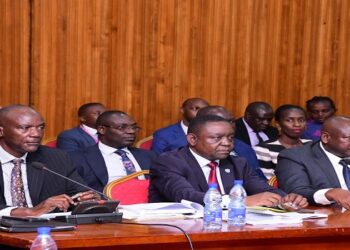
(6, 157)
(332, 157)
(106, 150)
(201, 160)
(92, 131)
(249, 129)
(184, 127)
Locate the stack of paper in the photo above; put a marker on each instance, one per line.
(162, 210)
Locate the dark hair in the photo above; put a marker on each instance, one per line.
(102, 118)
(317, 99)
(199, 121)
(280, 111)
(253, 106)
(84, 107)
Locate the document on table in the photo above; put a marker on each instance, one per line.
(261, 215)
(161, 210)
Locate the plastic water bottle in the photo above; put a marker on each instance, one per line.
(237, 207)
(43, 240)
(212, 218)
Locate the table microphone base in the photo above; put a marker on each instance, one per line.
(91, 218)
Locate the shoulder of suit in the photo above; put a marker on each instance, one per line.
(167, 129)
(70, 131)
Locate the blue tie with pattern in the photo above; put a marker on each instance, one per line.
(17, 187)
(128, 165)
(346, 172)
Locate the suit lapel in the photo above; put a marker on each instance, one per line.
(2, 197)
(227, 174)
(35, 177)
(97, 163)
(142, 161)
(243, 131)
(88, 139)
(325, 165)
(196, 169)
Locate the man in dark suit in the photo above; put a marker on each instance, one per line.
(85, 134)
(255, 126)
(25, 190)
(240, 148)
(316, 170)
(106, 161)
(186, 172)
(174, 136)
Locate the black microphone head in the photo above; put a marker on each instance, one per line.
(37, 165)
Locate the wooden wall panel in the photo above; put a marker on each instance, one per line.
(145, 57)
(14, 51)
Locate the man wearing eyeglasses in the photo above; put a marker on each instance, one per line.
(185, 173)
(113, 157)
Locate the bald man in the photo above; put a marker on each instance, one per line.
(26, 190)
(318, 170)
(174, 136)
(255, 127)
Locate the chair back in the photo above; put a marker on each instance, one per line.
(273, 181)
(145, 143)
(129, 189)
(51, 143)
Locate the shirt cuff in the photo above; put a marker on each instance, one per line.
(6, 211)
(320, 197)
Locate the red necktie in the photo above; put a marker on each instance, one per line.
(212, 174)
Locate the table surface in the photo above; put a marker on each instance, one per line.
(315, 233)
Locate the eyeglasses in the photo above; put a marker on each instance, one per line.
(124, 127)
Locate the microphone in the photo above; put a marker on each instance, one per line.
(41, 166)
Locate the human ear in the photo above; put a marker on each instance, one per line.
(101, 130)
(192, 139)
(325, 137)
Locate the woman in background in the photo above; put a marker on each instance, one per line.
(291, 123)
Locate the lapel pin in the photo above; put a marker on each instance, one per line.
(227, 170)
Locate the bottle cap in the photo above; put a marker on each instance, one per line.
(213, 185)
(239, 182)
(44, 230)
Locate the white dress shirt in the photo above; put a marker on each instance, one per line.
(254, 140)
(203, 163)
(319, 196)
(7, 166)
(114, 163)
(184, 127)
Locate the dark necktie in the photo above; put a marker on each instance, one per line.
(212, 175)
(17, 187)
(346, 172)
(261, 140)
(128, 165)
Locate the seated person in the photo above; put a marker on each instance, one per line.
(315, 170)
(291, 122)
(85, 134)
(186, 172)
(255, 126)
(113, 157)
(319, 108)
(240, 148)
(28, 191)
(174, 136)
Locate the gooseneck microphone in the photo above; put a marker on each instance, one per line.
(41, 166)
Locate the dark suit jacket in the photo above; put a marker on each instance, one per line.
(74, 139)
(242, 132)
(305, 170)
(168, 138)
(176, 175)
(43, 184)
(91, 165)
